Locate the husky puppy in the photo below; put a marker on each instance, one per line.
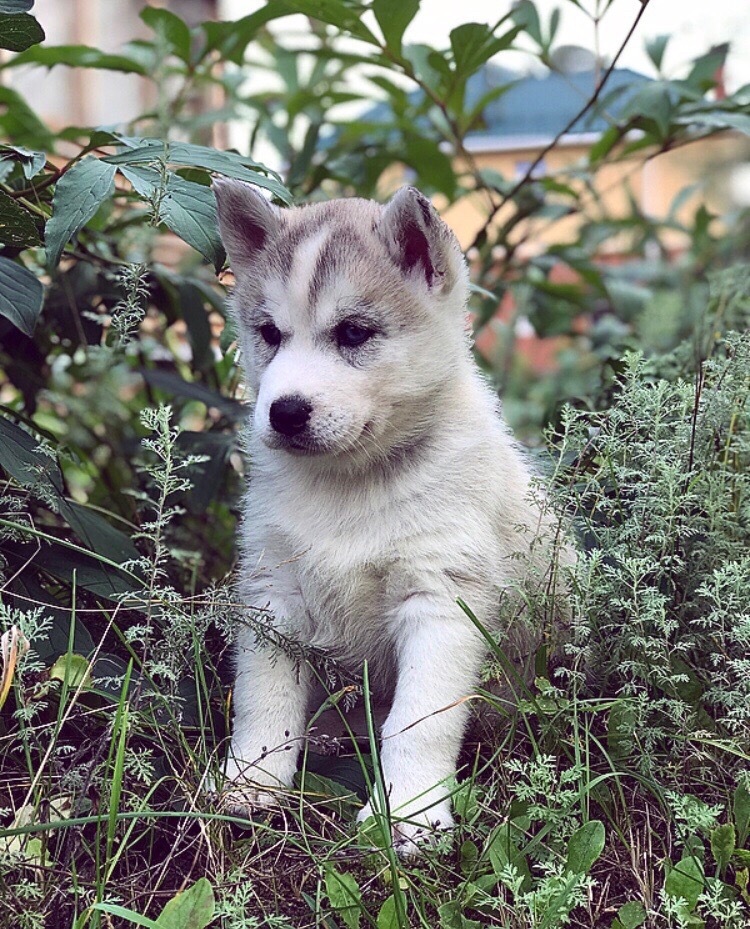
(383, 487)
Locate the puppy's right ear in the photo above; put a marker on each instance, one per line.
(247, 222)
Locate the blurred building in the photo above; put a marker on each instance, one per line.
(87, 96)
(521, 124)
(518, 124)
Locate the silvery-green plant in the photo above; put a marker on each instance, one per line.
(166, 627)
(661, 494)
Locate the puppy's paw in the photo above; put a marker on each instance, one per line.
(411, 837)
(249, 788)
(412, 833)
(246, 799)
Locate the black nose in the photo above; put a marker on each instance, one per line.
(289, 415)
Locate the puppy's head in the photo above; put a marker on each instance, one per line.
(351, 317)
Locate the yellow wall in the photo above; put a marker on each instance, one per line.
(653, 184)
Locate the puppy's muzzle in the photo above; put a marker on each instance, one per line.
(289, 416)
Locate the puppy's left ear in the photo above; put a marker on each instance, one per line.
(418, 240)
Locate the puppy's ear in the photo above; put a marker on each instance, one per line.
(417, 239)
(247, 222)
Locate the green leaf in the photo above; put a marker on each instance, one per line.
(198, 326)
(171, 28)
(17, 226)
(231, 39)
(476, 113)
(57, 639)
(20, 457)
(345, 896)
(585, 846)
(22, 849)
(620, 728)
(554, 25)
(628, 299)
(78, 195)
(63, 562)
(19, 31)
(177, 386)
(388, 917)
(97, 534)
(502, 850)
(434, 168)
(685, 880)
(187, 208)
(452, 916)
(21, 296)
(655, 49)
(20, 123)
(741, 809)
(393, 17)
(344, 16)
(327, 794)
(78, 56)
(146, 181)
(723, 841)
(474, 43)
(300, 165)
(31, 162)
(653, 102)
(469, 856)
(430, 66)
(339, 777)
(208, 476)
(525, 15)
(718, 120)
(124, 913)
(155, 152)
(702, 76)
(72, 670)
(741, 879)
(190, 909)
(632, 915)
(604, 144)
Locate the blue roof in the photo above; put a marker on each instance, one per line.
(530, 109)
(543, 106)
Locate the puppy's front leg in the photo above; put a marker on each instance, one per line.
(270, 703)
(439, 659)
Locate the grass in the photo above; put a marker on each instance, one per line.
(550, 792)
(617, 796)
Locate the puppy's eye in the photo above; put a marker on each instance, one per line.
(351, 334)
(270, 334)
